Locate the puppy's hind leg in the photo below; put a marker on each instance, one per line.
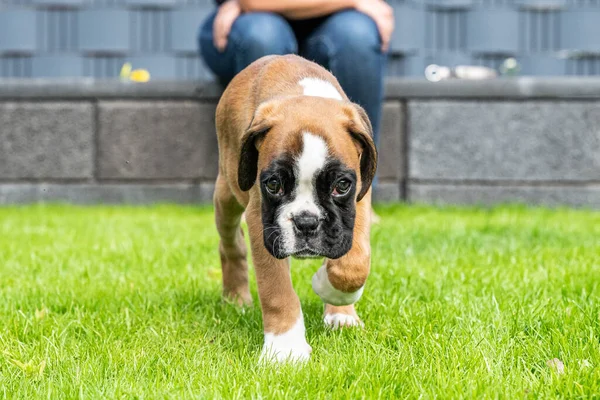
(232, 247)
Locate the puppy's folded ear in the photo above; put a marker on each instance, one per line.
(361, 130)
(261, 123)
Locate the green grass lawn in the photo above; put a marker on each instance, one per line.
(118, 302)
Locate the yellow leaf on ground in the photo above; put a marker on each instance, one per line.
(139, 75)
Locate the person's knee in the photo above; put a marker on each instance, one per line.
(353, 31)
(264, 33)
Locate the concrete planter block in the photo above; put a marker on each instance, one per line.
(387, 192)
(471, 140)
(391, 142)
(157, 140)
(46, 140)
(137, 194)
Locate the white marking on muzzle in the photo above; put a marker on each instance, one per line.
(311, 161)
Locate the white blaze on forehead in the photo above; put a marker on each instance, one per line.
(308, 164)
(319, 88)
(312, 159)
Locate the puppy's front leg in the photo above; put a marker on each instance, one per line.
(340, 282)
(285, 337)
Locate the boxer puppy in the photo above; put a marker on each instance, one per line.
(299, 158)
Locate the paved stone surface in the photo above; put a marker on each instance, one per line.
(134, 193)
(90, 88)
(525, 87)
(46, 140)
(504, 140)
(587, 196)
(391, 142)
(157, 140)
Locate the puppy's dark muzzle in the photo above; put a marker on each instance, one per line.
(306, 224)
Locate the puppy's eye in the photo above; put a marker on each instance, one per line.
(273, 186)
(342, 187)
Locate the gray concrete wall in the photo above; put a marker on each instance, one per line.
(530, 141)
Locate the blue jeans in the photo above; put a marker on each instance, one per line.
(347, 43)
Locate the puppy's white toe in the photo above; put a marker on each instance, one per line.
(337, 320)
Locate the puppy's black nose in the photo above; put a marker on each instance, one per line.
(306, 223)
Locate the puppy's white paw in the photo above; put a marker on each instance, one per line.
(330, 295)
(338, 320)
(280, 353)
(290, 346)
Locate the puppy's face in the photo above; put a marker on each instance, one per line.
(315, 160)
(308, 202)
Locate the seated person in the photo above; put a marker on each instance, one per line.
(348, 37)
